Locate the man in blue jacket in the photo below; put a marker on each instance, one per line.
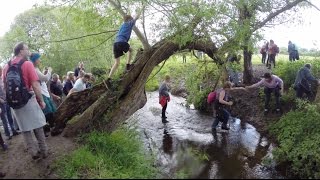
(303, 81)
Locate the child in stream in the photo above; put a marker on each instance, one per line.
(164, 97)
(221, 101)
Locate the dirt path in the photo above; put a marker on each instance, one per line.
(18, 164)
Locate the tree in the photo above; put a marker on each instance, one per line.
(214, 27)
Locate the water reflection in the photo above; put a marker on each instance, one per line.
(167, 143)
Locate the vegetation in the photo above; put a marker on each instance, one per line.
(298, 135)
(116, 155)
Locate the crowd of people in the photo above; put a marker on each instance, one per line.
(269, 51)
(32, 95)
(29, 98)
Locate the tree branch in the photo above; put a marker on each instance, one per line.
(143, 40)
(276, 13)
(70, 39)
(313, 5)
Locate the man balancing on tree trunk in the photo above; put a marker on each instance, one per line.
(121, 44)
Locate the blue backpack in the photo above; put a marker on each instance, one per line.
(17, 93)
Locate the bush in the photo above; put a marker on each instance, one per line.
(287, 71)
(298, 134)
(116, 155)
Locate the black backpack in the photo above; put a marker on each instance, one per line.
(16, 91)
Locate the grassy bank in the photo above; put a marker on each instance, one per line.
(101, 155)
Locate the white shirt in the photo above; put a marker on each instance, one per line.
(79, 85)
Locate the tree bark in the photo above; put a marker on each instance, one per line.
(101, 109)
(247, 65)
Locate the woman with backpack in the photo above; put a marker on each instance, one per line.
(221, 102)
(44, 78)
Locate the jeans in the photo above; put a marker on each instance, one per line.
(6, 124)
(223, 116)
(12, 123)
(264, 57)
(267, 92)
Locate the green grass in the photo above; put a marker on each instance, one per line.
(116, 155)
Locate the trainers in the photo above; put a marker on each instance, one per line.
(4, 146)
(15, 133)
(9, 137)
(108, 83)
(129, 67)
(225, 128)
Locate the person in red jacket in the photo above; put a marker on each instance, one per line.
(164, 97)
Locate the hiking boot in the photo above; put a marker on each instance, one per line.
(266, 111)
(4, 146)
(164, 120)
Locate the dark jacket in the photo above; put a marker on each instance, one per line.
(304, 78)
(164, 90)
(67, 87)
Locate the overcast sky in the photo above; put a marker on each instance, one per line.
(305, 35)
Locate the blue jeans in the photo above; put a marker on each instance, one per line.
(4, 119)
(223, 116)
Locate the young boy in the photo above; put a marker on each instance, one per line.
(121, 45)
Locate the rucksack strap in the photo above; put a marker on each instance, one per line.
(19, 69)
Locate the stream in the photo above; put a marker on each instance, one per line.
(186, 147)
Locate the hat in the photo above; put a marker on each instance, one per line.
(70, 72)
(34, 57)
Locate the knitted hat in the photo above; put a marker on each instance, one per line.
(34, 57)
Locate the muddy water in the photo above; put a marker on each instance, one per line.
(186, 147)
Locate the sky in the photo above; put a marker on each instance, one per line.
(304, 35)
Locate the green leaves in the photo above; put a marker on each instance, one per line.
(299, 136)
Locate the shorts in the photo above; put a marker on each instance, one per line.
(119, 48)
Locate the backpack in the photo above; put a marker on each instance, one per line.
(212, 96)
(17, 94)
(277, 50)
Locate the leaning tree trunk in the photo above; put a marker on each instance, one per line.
(247, 65)
(101, 109)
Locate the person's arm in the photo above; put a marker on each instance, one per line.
(138, 15)
(163, 91)
(37, 90)
(43, 77)
(221, 98)
(280, 82)
(256, 84)
(71, 91)
(309, 77)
